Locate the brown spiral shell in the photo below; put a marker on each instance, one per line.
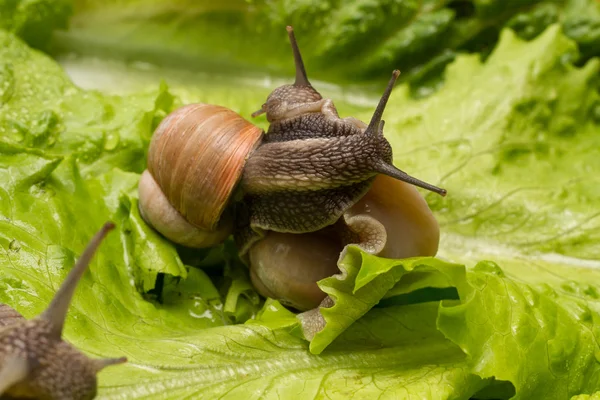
(197, 155)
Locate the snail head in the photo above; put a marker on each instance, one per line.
(288, 99)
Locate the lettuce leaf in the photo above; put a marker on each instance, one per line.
(594, 396)
(509, 328)
(343, 41)
(528, 114)
(527, 108)
(524, 326)
(363, 282)
(35, 20)
(42, 109)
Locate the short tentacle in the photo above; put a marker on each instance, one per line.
(102, 363)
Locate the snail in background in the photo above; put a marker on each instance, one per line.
(292, 197)
(35, 363)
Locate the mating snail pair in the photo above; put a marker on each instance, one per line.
(292, 197)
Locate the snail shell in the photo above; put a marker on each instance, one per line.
(195, 161)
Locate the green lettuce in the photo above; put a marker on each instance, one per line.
(594, 396)
(522, 325)
(342, 40)
(35, 20)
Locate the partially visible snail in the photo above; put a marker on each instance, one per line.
(35, 363)
(292, 197)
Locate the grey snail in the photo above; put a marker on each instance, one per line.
(292, 197)
(35, 363)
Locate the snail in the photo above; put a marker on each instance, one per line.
(292, 197)
(35, 362)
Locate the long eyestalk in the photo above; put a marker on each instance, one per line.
(396, 173)
(56, 312)
(301, 78)
(376, 128)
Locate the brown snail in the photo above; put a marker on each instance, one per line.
(35, 363)
(293, 196)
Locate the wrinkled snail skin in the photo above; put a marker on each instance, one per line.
(212, 173)
(35, 363)
(392, 220)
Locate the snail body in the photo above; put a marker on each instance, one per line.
(211, 173)
(35, 363)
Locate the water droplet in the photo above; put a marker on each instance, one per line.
(14, 245)
(547, 290)
(489, 267)
(112, 141)
(571, 287)
(200, 310)
(585, 314)
(16, 135)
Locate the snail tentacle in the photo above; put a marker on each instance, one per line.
(56, 312)
(301, 78)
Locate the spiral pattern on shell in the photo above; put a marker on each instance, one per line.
(197, 155)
